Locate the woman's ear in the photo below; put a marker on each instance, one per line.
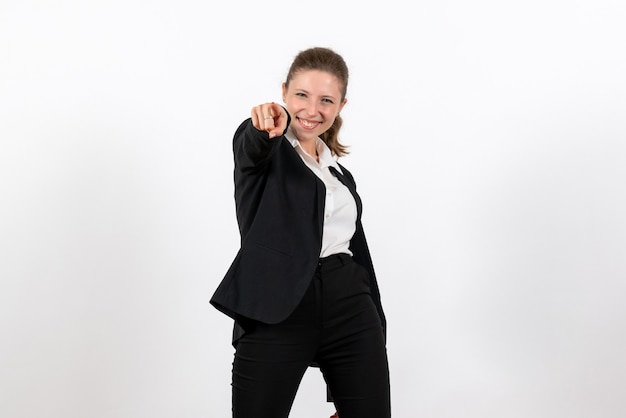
(284, 92)
(342, 105)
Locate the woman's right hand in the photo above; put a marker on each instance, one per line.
(270, 117)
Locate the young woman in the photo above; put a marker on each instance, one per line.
(302, 288)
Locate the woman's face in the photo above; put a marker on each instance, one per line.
(313, 100)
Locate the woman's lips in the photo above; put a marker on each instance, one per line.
(308, 124)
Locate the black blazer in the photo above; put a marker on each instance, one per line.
(280, 207)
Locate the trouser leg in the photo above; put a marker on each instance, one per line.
(270, 361)
(265, 380)
(353, 356)
(359, 380)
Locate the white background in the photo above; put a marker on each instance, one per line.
(488, 141)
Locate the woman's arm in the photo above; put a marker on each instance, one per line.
(253, 143)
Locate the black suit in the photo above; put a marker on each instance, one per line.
(280, 207)
(291, 308)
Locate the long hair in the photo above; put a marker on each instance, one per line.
(327, 60)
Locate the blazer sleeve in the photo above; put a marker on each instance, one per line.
(252, 149)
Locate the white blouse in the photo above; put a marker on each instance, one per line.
(340, 209)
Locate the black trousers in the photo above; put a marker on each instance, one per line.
(337, 327)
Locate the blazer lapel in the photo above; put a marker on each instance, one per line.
(351, 186)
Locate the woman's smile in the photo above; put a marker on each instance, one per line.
(308, 124)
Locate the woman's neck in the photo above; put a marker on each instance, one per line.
(310, 147)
